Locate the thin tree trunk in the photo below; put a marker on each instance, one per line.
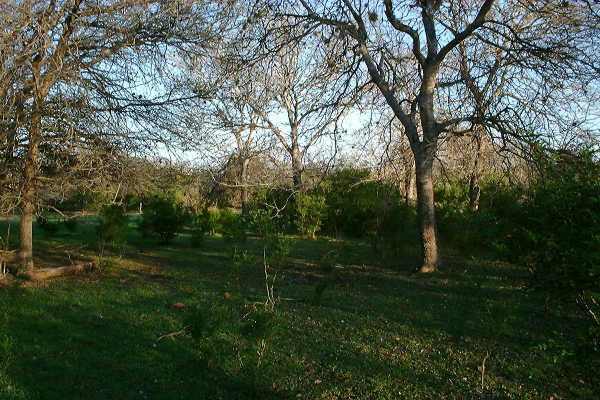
(410, 191)
(426, 213)
(474, 188)
(296, 167)
(244, 183)
(28, 197)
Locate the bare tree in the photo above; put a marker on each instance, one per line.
(225, 124)
(81, 55)
(300, 102)
(409, 50)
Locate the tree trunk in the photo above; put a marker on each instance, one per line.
(296, 167)
(426, 213)
(243, 184)
(410, 194)
(28, 197)
(474, 189)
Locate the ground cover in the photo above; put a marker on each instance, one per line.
(179, 322)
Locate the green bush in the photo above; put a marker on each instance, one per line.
(113, 224)
(277, 247)
(278, 204)
(71, 224)
(235, 334)
(327, 264)
(204, 223)
(559, 232)
(262, 223)
(47, 223)
(310, 211)
(242, 263)
(355, 203)
(163, 217)
(558, 236)
(233, 226)
(498, 214)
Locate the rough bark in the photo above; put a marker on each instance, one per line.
(474, 188)
(28, 198)
(45, 273)
(244, 184)
(296, 165)
(426, 213)
(410, 190)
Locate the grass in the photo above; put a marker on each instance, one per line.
(379, 331)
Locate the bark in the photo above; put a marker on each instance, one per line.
(243, 183)
(45, 273)
(426, 213)
(474, 189)
(296, 165)
(410, 190)
(28, 199)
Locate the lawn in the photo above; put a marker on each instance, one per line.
(177, 322)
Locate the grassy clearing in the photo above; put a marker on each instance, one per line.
(378, 333)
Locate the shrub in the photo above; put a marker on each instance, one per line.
(278, 204)
(163, 217)
(233, 226)
(233, 333)
(204, 223)
(310, 210)
(277, 247)
(71, 224)
(113, 224)
(48, 224)
(242, 263)
(498, 214)
(354, 202)
(559, 233)
(327, 264)
(262, 223)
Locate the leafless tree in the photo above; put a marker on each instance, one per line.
(224, 123)
(75, 72)
(300, 102)
(409, 50)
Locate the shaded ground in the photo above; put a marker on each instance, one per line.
(378, 333)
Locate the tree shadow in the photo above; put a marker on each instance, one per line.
(87, 346)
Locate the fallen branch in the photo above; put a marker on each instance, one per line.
(45, 273)
(172, 334)
(482, 367)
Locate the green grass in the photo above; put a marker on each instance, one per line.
(378, 333)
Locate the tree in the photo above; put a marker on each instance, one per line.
(224, 122)
(300, 102)
(409, 51)
(80, 56)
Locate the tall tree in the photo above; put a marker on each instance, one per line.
(300, 100)
(408, 49)
(81, 54)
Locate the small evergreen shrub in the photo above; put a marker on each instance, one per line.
(327, 264)
(235, 334)
(242, 263)
(276, 203)
(113, 224)
(558, 236)
(205, 223)
(262, 223)
(163, 217)
(310, 211)
(233, 226)
(277, 248)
